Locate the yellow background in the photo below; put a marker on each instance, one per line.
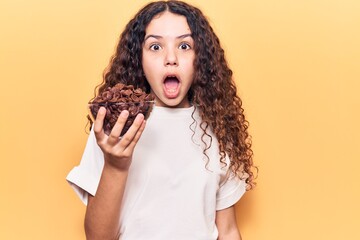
(297, 66)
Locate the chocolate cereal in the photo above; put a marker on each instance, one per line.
(118, 98)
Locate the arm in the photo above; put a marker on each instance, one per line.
(103, 210)
(226, 224)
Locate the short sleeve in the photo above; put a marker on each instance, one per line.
(230, 192)
(85, 177)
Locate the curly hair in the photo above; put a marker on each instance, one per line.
(213, 90)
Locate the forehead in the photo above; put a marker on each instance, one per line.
(168, 23)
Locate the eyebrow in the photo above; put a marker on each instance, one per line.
(159, 37)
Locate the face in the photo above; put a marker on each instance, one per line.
(168, 59)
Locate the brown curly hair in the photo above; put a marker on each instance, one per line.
(213, 90)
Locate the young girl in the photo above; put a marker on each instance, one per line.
(178, 174)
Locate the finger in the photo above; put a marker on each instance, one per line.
(98, 124)
(130, 147)
(131, 133)
(137, 137)
(119, 125)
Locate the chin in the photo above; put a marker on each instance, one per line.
(173, 103)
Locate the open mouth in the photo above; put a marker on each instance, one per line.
(171, 84)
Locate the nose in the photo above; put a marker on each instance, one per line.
(171, 58)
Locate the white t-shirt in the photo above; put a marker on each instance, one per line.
(172, 191)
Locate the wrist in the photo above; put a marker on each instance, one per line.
(117, 164)
(114, 171)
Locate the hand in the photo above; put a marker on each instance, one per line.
(118, 151)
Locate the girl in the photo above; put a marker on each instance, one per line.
(178, 174)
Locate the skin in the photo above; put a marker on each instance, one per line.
(226, 224)
(103, 222)
(167, 51)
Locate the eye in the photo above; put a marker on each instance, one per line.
(155, 47)
(184, 46)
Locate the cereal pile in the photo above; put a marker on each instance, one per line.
(118, 98)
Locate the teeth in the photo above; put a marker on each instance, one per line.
(171, 90)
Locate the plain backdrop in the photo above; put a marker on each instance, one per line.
(297, 67)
